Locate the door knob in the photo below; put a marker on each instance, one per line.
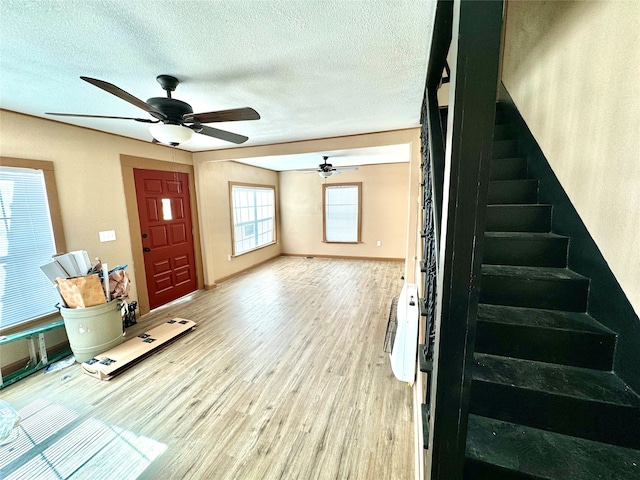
(147, 249)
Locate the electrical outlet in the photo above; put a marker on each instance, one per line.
(107, 236)
(379, 243)
(229, 257)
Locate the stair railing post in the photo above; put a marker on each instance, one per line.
(474, 77)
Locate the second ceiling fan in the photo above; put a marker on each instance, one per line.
(173, 120)
(325, 170)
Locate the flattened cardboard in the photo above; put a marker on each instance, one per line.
(112, 362)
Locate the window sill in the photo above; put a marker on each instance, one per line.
(235, 255)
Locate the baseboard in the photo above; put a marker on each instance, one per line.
(240, 272)
(343, 257)
(607, 301)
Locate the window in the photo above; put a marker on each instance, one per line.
(253, 214)
(342, 212)
(27, 240)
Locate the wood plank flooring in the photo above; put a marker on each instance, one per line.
(284, 378)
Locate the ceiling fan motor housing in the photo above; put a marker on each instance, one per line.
(172, 108)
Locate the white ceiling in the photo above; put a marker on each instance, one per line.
(311, 68)
(337, 158)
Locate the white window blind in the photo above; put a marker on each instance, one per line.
(253, 217)
(341, 211)
(26, 242)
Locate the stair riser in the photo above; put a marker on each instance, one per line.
(565, 347)
(515, 218)
(505, 149)
(510, 192)
(508, 169)
(504, 131)
(475, 470)
(544, 252)
(569, 295)
(501, 117)
(601, 422)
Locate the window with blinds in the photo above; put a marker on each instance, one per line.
(253, 213)
(26, 242)
(342, 212)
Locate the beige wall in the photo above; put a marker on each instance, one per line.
(573, 70)
(212, 187)
(385, 194)
(90, 189)
(92, 171)
(210, 169)
(88, 177)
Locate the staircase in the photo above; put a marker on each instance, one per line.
(545, 403)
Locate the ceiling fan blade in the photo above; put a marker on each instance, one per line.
(221, 134)
(233, 115)
(337, 170)
(127, 97)
(144, 120)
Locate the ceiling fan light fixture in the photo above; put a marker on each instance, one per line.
(171, 134)
(324, 174)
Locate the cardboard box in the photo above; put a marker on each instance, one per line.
(82, 291)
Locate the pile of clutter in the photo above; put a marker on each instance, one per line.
(82, 284)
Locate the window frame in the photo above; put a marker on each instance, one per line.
(325, 186)
(232, 215)
(47, 168)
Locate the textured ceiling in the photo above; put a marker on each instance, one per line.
(312, 69)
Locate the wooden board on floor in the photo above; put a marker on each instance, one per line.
(112, 362)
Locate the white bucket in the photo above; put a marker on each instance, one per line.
(93, 330)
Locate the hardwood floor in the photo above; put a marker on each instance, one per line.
(284, 378)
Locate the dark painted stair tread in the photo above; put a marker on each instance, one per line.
(501, 117)
(535, 287)
(524, 235)
(504, 131)
(536, 317)
(583, 383)
(505, 148)
(521, 452)
(535, 249)
(533, 273)
(508, 169)
(532, 236)
(512, 191)
(518, 218)
(552, 336)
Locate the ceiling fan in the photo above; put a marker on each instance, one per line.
(325, 169)
(173, 120)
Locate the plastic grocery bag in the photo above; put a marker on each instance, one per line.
(9, 421)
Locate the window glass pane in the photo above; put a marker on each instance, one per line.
(26, 242)
(341, 213)
(252, 207)
(166, 209)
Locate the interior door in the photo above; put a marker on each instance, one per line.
(167, 237)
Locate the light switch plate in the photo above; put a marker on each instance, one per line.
(108, 236)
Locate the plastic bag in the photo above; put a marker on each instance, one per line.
(119, 284)
(9, 421)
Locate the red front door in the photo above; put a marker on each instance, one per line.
(167, 238)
